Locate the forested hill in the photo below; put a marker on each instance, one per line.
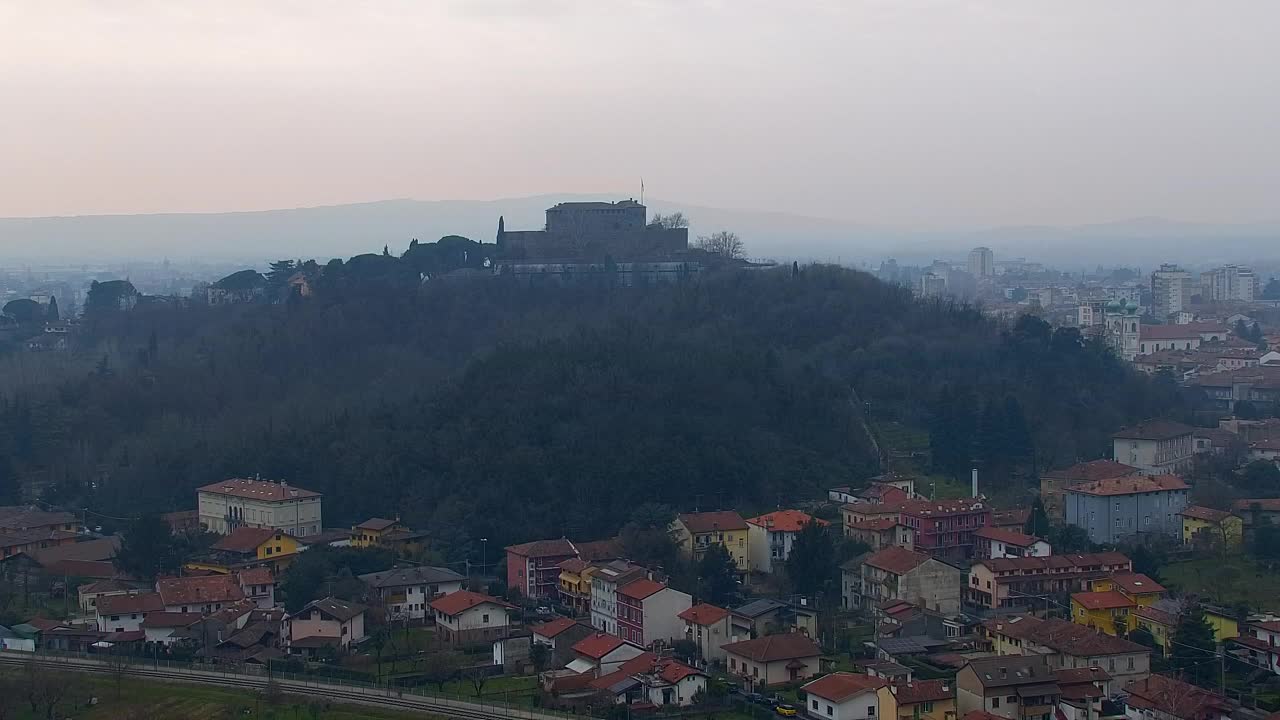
(487, 410)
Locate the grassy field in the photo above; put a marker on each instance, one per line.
(175, 701)
(1226, 581)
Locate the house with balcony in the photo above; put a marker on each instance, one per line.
(464, 618)
(1123, 508)
(648, 612)
(897, 573)
(773, 659)
(1066, 645)
(246, 547)
(325, 623)
(770, 536)
(406, 593)
(945, 528)
(993, 542)
(534, 567)
(1111, 605)
(1053, 484)
(1160, 697)
(575, 585)
(707, 627)
(561, 635)
(259, 585)
(606, 581)
(1015, 688)
(1029, 582)
(693, 533)
(126, 613)
(850, 696)
(1157, 447)
(1258, 645)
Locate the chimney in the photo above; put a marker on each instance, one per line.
(975, 483)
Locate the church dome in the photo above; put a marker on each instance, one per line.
(1115, 306)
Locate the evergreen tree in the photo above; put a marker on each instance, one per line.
(1038, 521)
(811, 566)
(54, 315)
(717, 576)
(149, 548)
(1146, 561)
(992, 435)
(1194, 650)
(1018, 436)
(280, 272)
(1242, 330)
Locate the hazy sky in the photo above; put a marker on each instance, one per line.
(905, 112)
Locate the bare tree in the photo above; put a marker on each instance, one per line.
(673, 221)
(724, 243)
(477, 675)
(10, 696)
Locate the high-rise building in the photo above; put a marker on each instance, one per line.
(1170, 290)
(1229, 283)
(982, 263)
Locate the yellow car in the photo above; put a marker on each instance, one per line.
(786, 711)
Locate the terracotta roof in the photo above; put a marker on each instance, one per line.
(839, 686)
(1107, 600)
(1131, 485)
(1147, 612)
(1094, 470)
(544, 548)
(919, 691)
(980, 715)
(673, 671)
(1200, 512)
(704, 614)
(94, 550)
(595, 550)
(1154, 430)
(125, 636)
(1134, 583)
(1063, 636)
(96, 569)
(574, 565)
(314, 641)
(23, 517)
(109, 585)
(1008, 537)
(170, 619)
(785, 520)
(257, 576)
(1071, 676)
(459, 602)
(640, 589)
(876, 525)
(244, 539)
(769, 648)
(1169, 332)
(705, 522)
(598, 645)
(199, 590)
(1016, 517)
(264, 490)
(418, 575)
(128, 604)
(233, 612)
(553, 628)
(43, 624)
(1174, 697)
(377, 524)
(897, 560)
(333, 607)
(1264, 504)
(942, 508)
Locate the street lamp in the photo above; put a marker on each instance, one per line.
(484, 554)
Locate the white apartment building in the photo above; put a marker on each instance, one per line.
(1170, 290)
(227, 505)
(605, 584)
(1229, 283)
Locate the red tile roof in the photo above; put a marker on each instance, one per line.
(839, 686)
(705, 522)
(1169, 332)
(553, 628)
(460, 601)
(919, 691)
(128, 604)
(980, 715)
(673, 671)
(544, 548)
(1134, 583)
(1131, 485)
(640, 589)
(1264, 504)
(573, 565)
(1063, 636)
(377, 524)
(1200, 512)
(264, 490)
(170, 620)
(1176, 698)
(877, 525)
(1156, 615)
(942, 508)
(244, 539)
(785, 520)
(598, 645)
(1008, 537)
(199, 590)
(784, 646)
(897, 560)
(1107, 600)
(704, 614)
(257, 576)
(597, 550)
(1094, 470)
(1154, 430)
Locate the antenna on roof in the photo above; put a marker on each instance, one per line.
(642, 190)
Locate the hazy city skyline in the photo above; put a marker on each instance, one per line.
(917, 114)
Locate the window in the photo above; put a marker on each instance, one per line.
(871, 711)
(1130, 663)
(813, 704)
(830, 710)
(755, 671)
(926, 707)
(1111, 664)
(485, 618)
(995, 703)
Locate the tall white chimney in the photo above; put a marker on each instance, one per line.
(975, 483)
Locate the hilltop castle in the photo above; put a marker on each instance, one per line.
(594, 230)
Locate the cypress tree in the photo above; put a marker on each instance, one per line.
(1195, 652)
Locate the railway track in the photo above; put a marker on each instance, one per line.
(356, 695)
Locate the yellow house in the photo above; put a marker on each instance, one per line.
(1206, 525)
(369, 533)
(1141, 590)
(1224, 622)
(249, 547)
(1107, 611)
(1159, 623)
(575, 584)
(695, 532)
(925, 700)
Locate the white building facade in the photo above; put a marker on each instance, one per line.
(224, 506)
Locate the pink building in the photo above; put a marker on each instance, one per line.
(649, 611)
(534, 567)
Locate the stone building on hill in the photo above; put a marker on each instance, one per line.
(593, 230)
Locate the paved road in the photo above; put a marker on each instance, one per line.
(380, 697)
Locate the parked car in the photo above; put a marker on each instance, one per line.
(786, 710)
(757, 698)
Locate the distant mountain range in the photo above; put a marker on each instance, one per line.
(345, 230)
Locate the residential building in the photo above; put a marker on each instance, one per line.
(1105, 611)
(239, 502)
(605, 583)
(1121, 508)
(1082, 692)
(925, 699)
(1226, 622)
(769, 537)
(1159, 447)
(534, 567)
(561, 635)
(993, 542)
(1254, 512)
(199, 594)
(945, 528)
(695, 532)
(1258, 385)
(1053, 484)
(407, 592)
(1206, 526)
(160, 627)
(845, 696)
(326, 623)
(649, 682)
(880, 533)
(601, 654)
(648, 612)
(1164, 698)
(766, 616)
(1017, 688)
(91, 592)
(258, 585)
(708, 627)
(1258, 644)
(774, 659)
(880, 489)
(1138, 588)
(899, 574)
(1170, 290)
(1065, 644)
(1032, 582)
(575, 585)
(463, 617)
(125, 613)
(1229, 283)
(1160, 622)
(246, 547)
(30, 517)
(982, 263)
(369, 533)
(15, 542)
